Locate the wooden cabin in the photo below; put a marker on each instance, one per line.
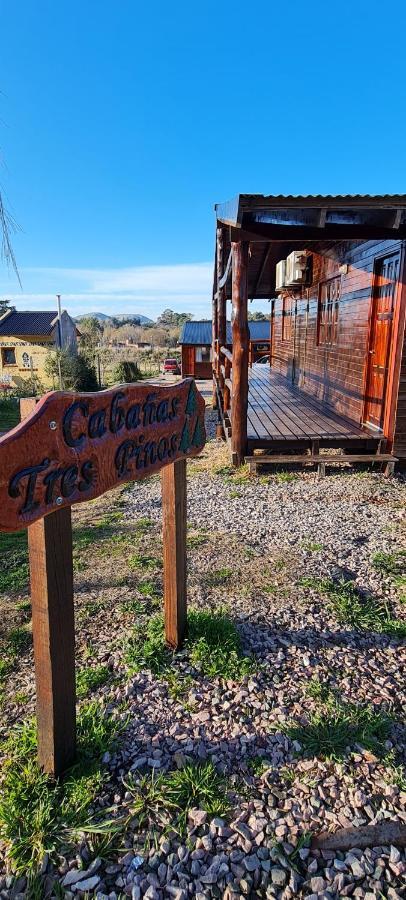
(196, 343)
(334, 270)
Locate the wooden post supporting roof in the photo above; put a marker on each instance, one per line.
(239, 319)
(221, 304)
(214, 341)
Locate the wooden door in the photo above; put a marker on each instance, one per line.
(383, 302)
(188, 360)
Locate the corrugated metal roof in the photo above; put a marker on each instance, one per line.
(200, 333)
(24, 323)
(232, 211)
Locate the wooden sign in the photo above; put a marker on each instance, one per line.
(74, 447)
(70, 448)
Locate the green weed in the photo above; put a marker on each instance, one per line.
(320, 691)
(215, 646)
(143, 525)
(390, 563)
(24, 606)
(334, 729)
(88, 680)
(146, 647)
(6, 666)
(362, 611)
(20, 697)
(133, 606)
(218, 577)
(312, 546)
(257, 765)
(143, 561)
(169, 797)
(39, 815)
(213, 642)
(313, 583)
(196, 539)
(14, 562)
(284, 477)
(178, 687)
(18, 641)
(148, 589)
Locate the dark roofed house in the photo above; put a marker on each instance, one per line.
(196, 338)
(26, 338)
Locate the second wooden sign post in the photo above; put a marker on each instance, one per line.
(70, 448)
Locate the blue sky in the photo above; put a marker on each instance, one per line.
(123, 122)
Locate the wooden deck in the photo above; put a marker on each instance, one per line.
(282, 417)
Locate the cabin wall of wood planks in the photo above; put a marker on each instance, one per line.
(336, 373)
(400, 427)
(190, 366)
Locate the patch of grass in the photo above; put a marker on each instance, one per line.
(232, 475)
(313, 582)
(196, 539)
(24, 606)
(143, 525)
(89, 609)
(178, 687)
(215, 646)
(334, 729)
(146, 647)
(6, 666)
(14, 562)
(312, 546)
(213, 642)
(218, 577)
(394, 565)
(39, 815)
(362, 611)
(284, 477)
(224, 471)
(19, 640)
(148, 589)
(20, 697)
(88, 680)
(133, 606)
(287, 775)
(197, 785)
(390, 563)
(143, 561)
(257, 765)
(395, 774)
(89, 650)
(157, 799)
(320, 691)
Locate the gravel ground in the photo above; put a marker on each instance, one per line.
(272, 537)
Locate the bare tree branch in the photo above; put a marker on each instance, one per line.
(7, 225)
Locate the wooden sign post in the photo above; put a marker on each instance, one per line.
(70, 448)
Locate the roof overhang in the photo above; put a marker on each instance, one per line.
(344, 217)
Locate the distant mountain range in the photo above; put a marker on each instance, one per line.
(102, 317)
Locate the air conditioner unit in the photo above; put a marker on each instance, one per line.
(296, 268)
(280, 275)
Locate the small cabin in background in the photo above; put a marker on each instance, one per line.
(196, 337)
(334, 268)
(26, 338)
